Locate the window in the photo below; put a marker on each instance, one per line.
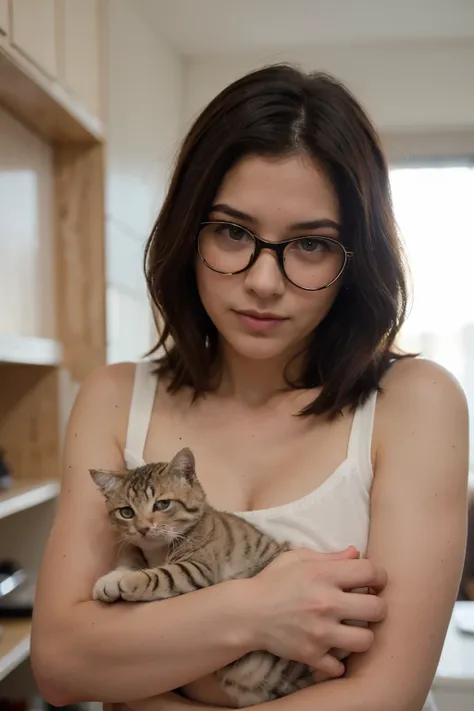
(434, 211)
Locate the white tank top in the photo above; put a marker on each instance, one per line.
(330, 518)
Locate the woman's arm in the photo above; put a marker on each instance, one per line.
(418, 532)
(84, 650)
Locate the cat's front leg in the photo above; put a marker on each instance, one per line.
(108, 587)
(165, 581)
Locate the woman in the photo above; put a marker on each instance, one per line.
(277, 273)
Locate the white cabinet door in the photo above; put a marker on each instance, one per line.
(80, 51)
(34, 32)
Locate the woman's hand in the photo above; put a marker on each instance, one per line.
(301, 604)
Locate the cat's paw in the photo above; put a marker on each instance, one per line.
(109, 587)
(135, 586)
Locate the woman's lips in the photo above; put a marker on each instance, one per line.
(259, 323)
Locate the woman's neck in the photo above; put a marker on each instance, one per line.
(253, 382)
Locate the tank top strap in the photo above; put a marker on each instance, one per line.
(360, 440)
(141, 407)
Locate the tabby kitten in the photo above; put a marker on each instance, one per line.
(173, 542)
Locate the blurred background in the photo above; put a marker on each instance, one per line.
(95, 96)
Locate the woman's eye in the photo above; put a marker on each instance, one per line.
(161, 505)
(308, 244)
(233, 232)
(236, 233)
(127, 512)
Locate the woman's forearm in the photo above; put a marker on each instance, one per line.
(127, 651)
(347, 694)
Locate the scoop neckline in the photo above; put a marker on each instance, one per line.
(296, 503)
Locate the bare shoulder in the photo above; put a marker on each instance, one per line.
(417, 385)
(107, 391)
(112, 381)
(422, 413)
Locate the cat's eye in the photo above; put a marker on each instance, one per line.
(127, 512)
(161, 505)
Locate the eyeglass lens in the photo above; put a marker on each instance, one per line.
(309, 262)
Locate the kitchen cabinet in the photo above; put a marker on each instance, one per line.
(34, 32)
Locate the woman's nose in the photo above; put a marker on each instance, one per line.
(265, 277)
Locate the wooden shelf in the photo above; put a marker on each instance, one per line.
(42, 103)
(14, 644)
(26, 494)
(29, 350)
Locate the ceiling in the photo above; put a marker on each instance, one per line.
(202, 27)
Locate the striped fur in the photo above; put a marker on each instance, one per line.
(173, 542)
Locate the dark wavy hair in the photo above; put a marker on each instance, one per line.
(277, 111)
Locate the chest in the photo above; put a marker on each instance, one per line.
(249, 459)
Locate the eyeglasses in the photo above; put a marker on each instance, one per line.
(311, 263)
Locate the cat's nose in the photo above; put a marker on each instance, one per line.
(143, 530)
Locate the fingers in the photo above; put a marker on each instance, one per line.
(309, 555)
(329, 667)
(354, 639)
(360, 607)
(319, 676)
(351, 574)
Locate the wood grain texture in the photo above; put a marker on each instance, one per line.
(27, 306)
(80, 257)
(42, 103)
(29, 420)
(14, 645)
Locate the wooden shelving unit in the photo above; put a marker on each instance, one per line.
(14, 644)
(38, 375)
(26, 494)
(29, 351)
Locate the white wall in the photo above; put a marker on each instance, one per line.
(407, 87)
(145, 92)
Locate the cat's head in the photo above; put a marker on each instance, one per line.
(154, 504)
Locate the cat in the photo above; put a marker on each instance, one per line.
(174, 542)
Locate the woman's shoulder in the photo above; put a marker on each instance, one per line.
(113, 380)
(106, 391)
(419, 378)
(419, 389)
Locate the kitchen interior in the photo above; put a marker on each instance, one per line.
(95, 96)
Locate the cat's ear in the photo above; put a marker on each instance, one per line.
(183, 463)
(107, 482)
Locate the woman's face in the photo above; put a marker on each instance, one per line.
(259, 313)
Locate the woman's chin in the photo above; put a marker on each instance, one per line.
(258, 349)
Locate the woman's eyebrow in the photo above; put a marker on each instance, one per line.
(309, 225)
